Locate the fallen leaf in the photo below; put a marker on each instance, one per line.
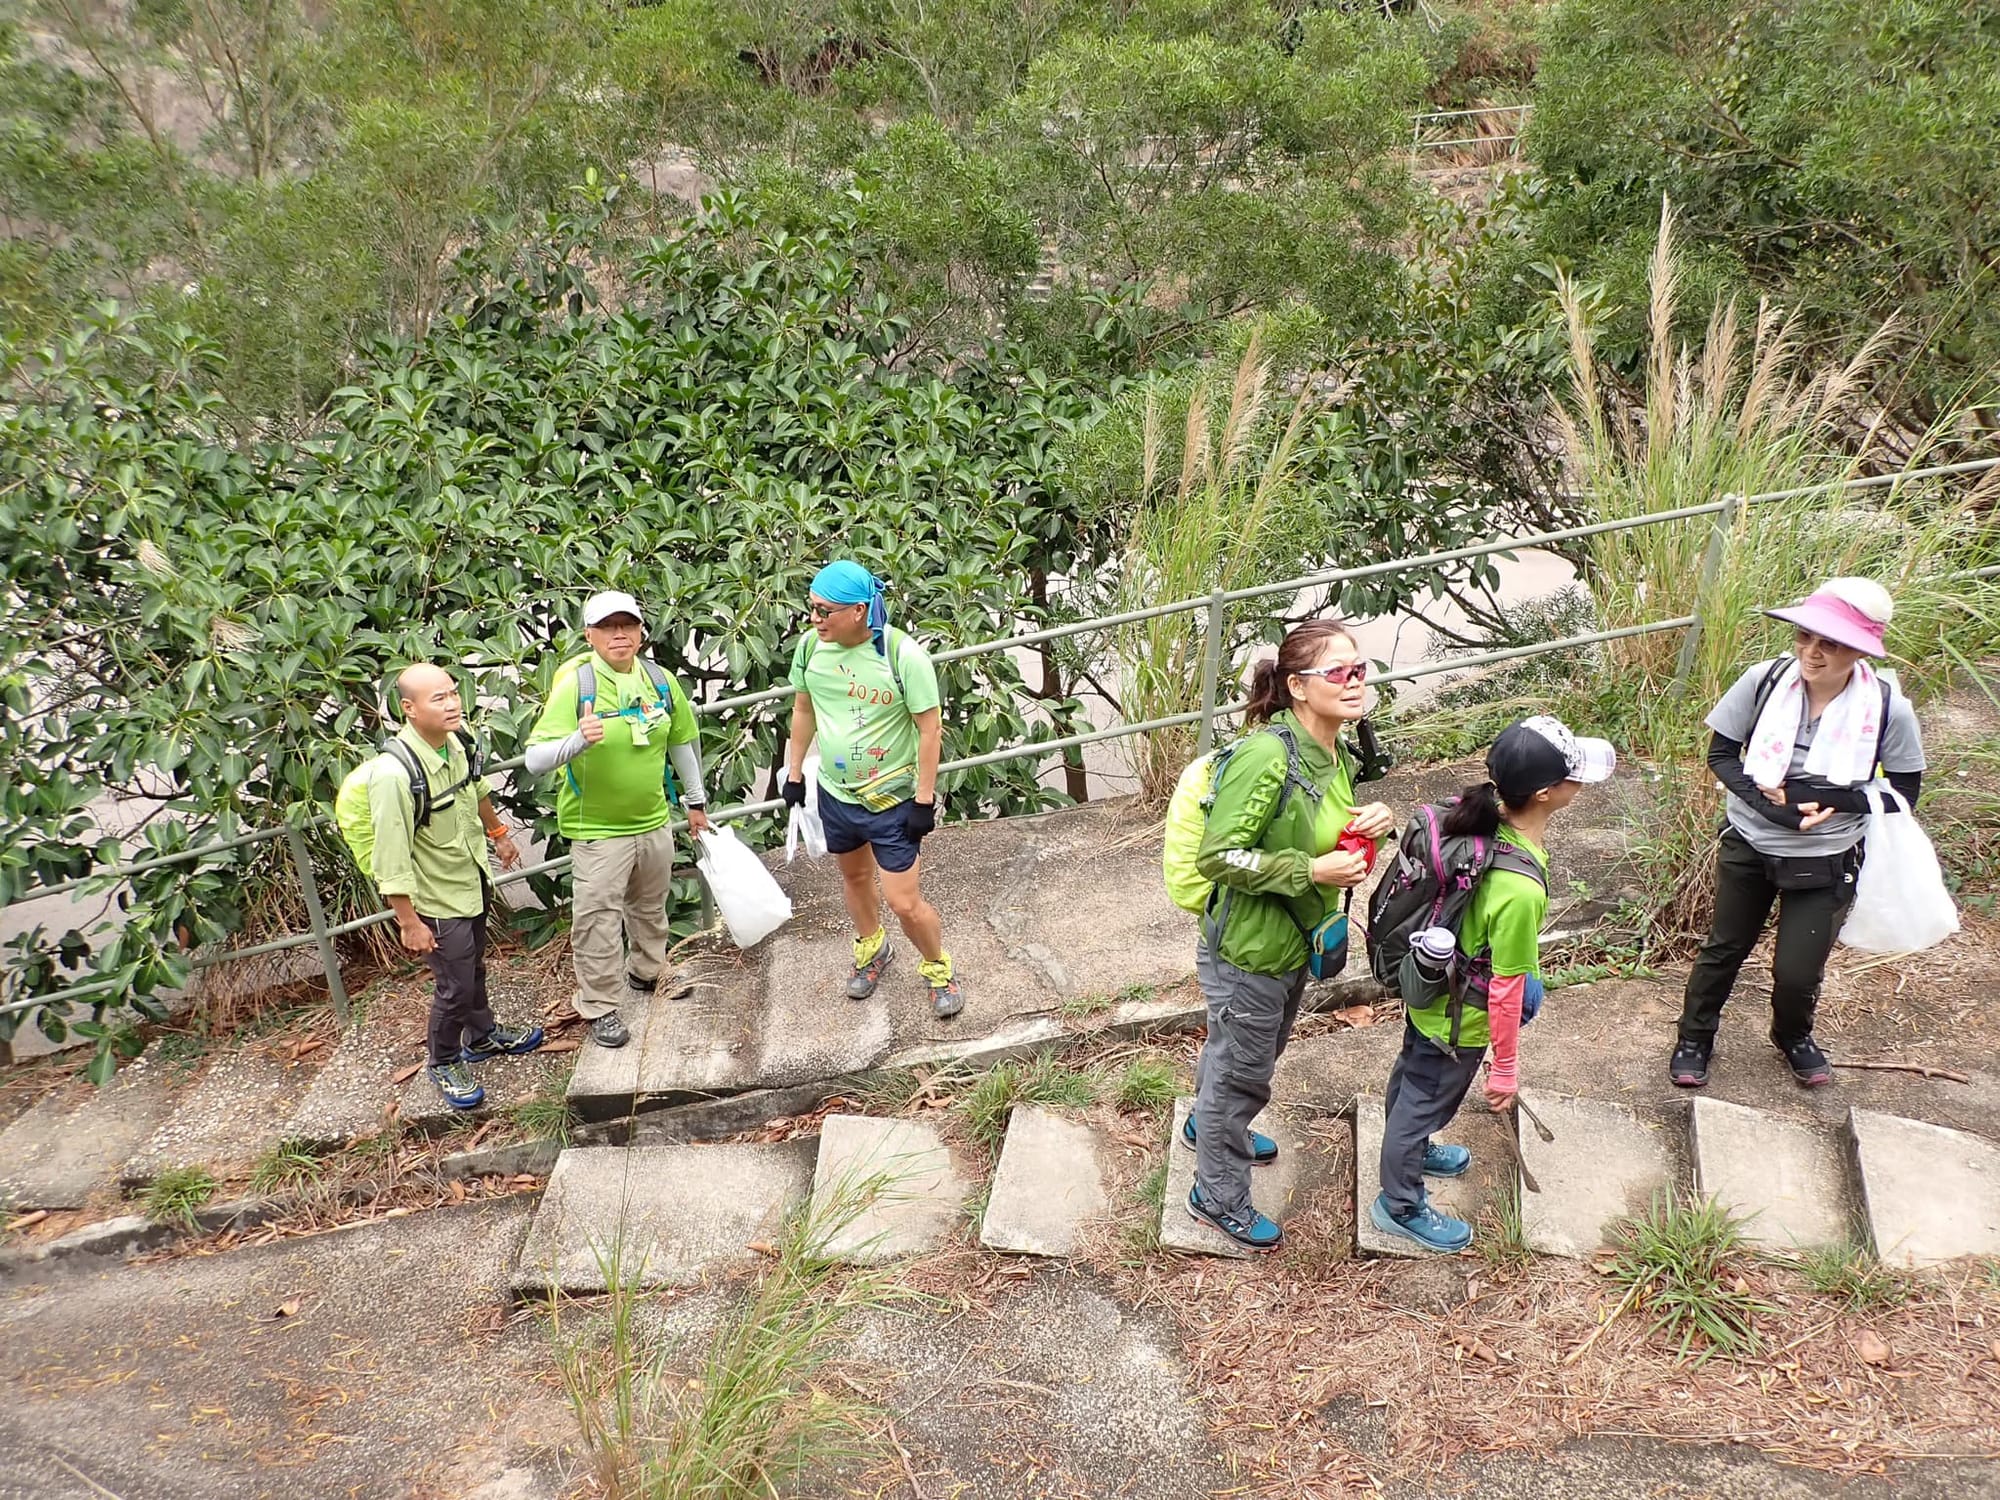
(404, 1075)
(23, 1221)
(1480, 1351)
(1995, 1347)
(310, 1044)
(1871, 1347)
(1356, 1015)
(567, 1044)
(526, 1179)
(764, 1247)
(457, 1191)
(289, 1308)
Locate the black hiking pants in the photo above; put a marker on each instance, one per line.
(459, 1012)
(1808, 923)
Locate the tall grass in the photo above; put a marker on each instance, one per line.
(1222, 523)
(1742, 413)
(754, 1420)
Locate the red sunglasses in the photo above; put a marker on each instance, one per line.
(1352, 672)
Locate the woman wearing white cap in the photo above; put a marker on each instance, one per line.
(1794, 741)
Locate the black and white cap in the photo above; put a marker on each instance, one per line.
(1539, 752)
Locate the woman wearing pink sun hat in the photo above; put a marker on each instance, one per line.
(1794, 741)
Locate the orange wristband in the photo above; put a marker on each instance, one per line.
(497, 833)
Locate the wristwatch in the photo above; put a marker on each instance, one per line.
(695, 804)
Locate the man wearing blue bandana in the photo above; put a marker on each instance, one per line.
(870, 695)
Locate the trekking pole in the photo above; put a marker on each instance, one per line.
(1548, 1136)
(1520, 1160)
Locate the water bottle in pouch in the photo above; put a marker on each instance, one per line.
(1432, 949)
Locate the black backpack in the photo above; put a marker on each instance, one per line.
(1431, 885)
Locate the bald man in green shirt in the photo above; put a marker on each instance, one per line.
(436, 879)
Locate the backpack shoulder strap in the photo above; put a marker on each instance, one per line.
(657, 675)
(1518, 862)
(586, 687)
(1765, 687)
(396, 751)
(894, 653)
(1295, 771)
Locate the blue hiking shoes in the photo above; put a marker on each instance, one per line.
(455, 1082)
(1258, 1233)
(1445, 1161)
(502, 1041)
(1263, 1149)
(1428, 1227)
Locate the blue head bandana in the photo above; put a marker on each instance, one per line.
(847, 582)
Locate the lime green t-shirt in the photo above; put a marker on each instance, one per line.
(866, 729)
(615, 788)
(1506, 911)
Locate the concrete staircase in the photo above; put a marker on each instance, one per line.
(1919, 1194)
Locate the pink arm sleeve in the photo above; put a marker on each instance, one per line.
(1503, 1019)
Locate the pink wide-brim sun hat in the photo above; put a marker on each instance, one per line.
(1831, 616)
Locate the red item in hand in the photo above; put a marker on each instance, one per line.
(1357, 843)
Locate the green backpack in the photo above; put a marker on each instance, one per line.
(356, 819)
(1188, 808)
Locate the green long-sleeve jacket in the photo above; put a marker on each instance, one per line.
(1261, 863)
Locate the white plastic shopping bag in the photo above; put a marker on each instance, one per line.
(752, 905)
(804, 825)
(1900, 902)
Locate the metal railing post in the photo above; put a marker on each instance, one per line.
(1711, 565)
(329, 957)
(1211, 670)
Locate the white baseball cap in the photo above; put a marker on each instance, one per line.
(600, 607)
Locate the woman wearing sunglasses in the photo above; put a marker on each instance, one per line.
(1794, 740)
(1284, 841)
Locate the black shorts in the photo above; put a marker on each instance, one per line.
(850, 826)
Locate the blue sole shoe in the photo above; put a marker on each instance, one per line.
(1426, 1227)
(1263, 1150)
(1446, 1161)
(456, 1085)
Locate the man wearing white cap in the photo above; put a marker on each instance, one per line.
(612, 721)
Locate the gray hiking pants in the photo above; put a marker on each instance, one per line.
(1250, 1019)
(1426, 1087)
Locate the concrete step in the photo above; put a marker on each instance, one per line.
(1472, 1197)
(1929, 1194)
(654, 1216)
(1038, 911)
(239, 1108)
(1605, 1164)
(1048, 1191)
(1276, 1190)
(883, 1189)
(1787, 1181)
(73, 1143)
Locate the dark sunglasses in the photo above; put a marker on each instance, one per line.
(1342, 676)
(1805, 640)
(819, 611)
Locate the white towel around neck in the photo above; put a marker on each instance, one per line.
(1844, 747)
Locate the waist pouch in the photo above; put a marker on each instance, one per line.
(1326, 947)
(1813, 872)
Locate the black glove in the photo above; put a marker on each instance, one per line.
(794, 792)
(919, 818)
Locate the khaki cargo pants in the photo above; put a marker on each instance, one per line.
(619, 899)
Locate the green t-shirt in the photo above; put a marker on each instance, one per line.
(867, 735)
(615, 788)
(1506, 911)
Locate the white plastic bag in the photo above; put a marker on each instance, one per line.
(804, 824)
(1900, 902)
(752, 905)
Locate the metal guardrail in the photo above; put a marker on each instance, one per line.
(1215, 606)
(1432, 117)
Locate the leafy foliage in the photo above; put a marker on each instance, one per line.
(1838, 153)
(207, 627)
